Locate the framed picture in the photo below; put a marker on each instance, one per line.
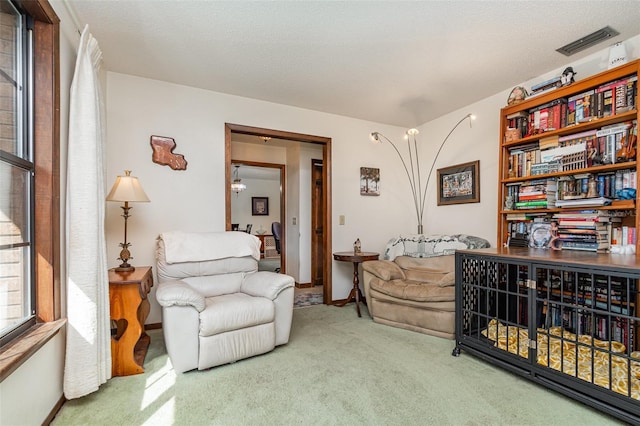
(459, 184)
(259, 206)
(369, 181)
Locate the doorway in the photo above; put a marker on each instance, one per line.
(323, 270)
(317, 231)
(262, 183)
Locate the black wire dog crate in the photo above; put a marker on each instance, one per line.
(565, 320)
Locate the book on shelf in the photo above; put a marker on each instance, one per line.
(601, 247)
(524, 205)
(584, 202)
(587, 214)
(551, 83)
(549, 142)
(547, 117)
(586, 221)
(615, 97)
(530, 216)
(579, 107)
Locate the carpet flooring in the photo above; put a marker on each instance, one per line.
(307, 299)
(337, 369)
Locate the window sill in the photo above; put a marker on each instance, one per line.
(21, 349)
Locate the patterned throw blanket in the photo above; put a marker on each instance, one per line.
(431, 245)
(602, 362)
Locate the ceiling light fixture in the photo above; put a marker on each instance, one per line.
(237, 186)
(587, 41)
(265, 139)
(415, 181)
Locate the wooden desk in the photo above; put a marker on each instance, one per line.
(356, 259)
(129, 309)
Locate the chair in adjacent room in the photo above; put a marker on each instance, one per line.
(276, 230)
(217, 307)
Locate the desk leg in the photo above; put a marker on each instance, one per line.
(356, 288)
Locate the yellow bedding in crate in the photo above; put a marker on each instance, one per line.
(573, 355)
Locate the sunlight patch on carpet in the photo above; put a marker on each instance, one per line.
(157, 384)
(165, 415)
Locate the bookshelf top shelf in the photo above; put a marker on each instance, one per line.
(585, 84)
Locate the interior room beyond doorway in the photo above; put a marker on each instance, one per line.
(258, 147)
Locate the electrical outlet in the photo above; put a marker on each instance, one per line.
(294, 220)
(341, 219)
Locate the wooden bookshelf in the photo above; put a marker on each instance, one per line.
(561, 94)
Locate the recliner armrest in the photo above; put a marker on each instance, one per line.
(384, 269)
(179, 293)
(266, 284)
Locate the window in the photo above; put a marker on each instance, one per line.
(39, 215)
(17, 304)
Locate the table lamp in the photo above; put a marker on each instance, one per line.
(126, 189)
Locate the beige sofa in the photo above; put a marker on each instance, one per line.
(413, 287)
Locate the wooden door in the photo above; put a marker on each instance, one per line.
(317, 229)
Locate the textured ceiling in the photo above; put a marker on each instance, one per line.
(401, 63)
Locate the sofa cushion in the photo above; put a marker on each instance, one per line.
(234, 311)
(421, 245)
(384, 269)
(414, 290)
(434, 270)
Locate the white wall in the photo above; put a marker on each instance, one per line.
(193, 199)
(241, 204)
(481, 143)
(291, 233)
(138, 108)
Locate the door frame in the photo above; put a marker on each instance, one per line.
(230, 128)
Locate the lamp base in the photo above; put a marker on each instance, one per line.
(125, 255)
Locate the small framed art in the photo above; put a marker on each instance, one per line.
(459, 184)
(369, 181)
(259, 206)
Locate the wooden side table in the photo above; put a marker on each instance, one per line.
(356, 259)
(129, 309)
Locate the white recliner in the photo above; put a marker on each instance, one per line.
(217, 307)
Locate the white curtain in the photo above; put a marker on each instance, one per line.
(88, 354)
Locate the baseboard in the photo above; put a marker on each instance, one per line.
(154, 326)
(54, 411)
(304, 285)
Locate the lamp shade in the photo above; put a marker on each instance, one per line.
(127, 188)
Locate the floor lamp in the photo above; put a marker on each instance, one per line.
(126, 189)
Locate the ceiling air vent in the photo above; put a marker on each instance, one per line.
(588, 41)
